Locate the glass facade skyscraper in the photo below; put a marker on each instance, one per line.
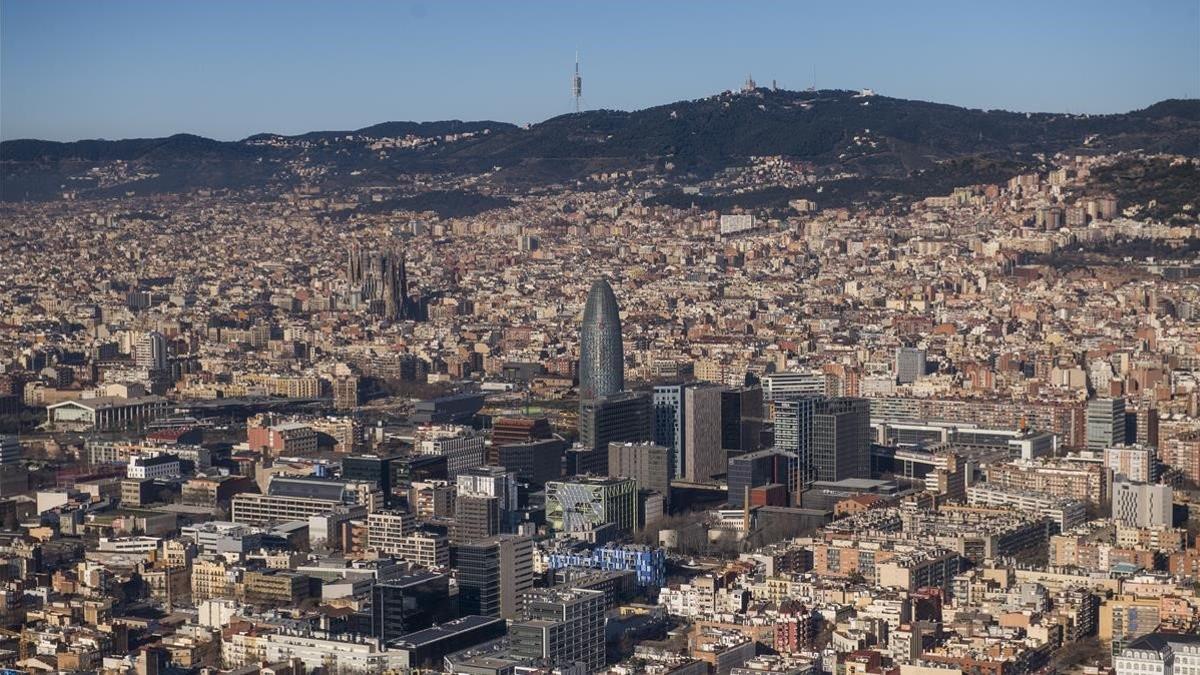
(601, 354)
(831, 437)
(668, 423)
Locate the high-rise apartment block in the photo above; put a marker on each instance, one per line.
(151, 352)
(910, 364)
(1137, 463)
(1075, 480)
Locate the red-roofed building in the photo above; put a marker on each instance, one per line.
(858, 504)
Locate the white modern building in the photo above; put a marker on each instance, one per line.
(732, 223)
(153, 466)
(778, 385)
(151, 351)
(1142, 504)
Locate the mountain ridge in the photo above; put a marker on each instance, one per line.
(838, 131)
(1186, 108)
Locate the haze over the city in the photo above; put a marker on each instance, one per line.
(765, 339)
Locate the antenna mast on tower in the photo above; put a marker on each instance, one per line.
(577, 84)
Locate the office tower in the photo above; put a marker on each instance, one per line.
(151, 352)
(842, 439)
(741, 418)
(585, 504)
(910, 364)
(476, 517)
(756, 469)
(373, 469)
(794, 433)
(581, 461)
(493, 575)
(668, 423)
(561, 625)
(492, 481)
(831, 437)
(275, 588)
(1142, 504)
(534, 462)
(687, 420)
(379, 282)
(601, 356)
(409, 602)
(646, 463)
(703, 457)
(618, 418)
(10, 449)
(1105, 423)
(780, 385)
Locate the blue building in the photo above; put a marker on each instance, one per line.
(650, 564)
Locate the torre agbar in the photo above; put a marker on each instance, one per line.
(602, 357)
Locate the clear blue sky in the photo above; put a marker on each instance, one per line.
(226, 69)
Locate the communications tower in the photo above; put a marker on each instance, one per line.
(577, 84)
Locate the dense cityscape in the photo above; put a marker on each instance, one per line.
(770, 382)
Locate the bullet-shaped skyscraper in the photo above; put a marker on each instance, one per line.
(601, 355)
